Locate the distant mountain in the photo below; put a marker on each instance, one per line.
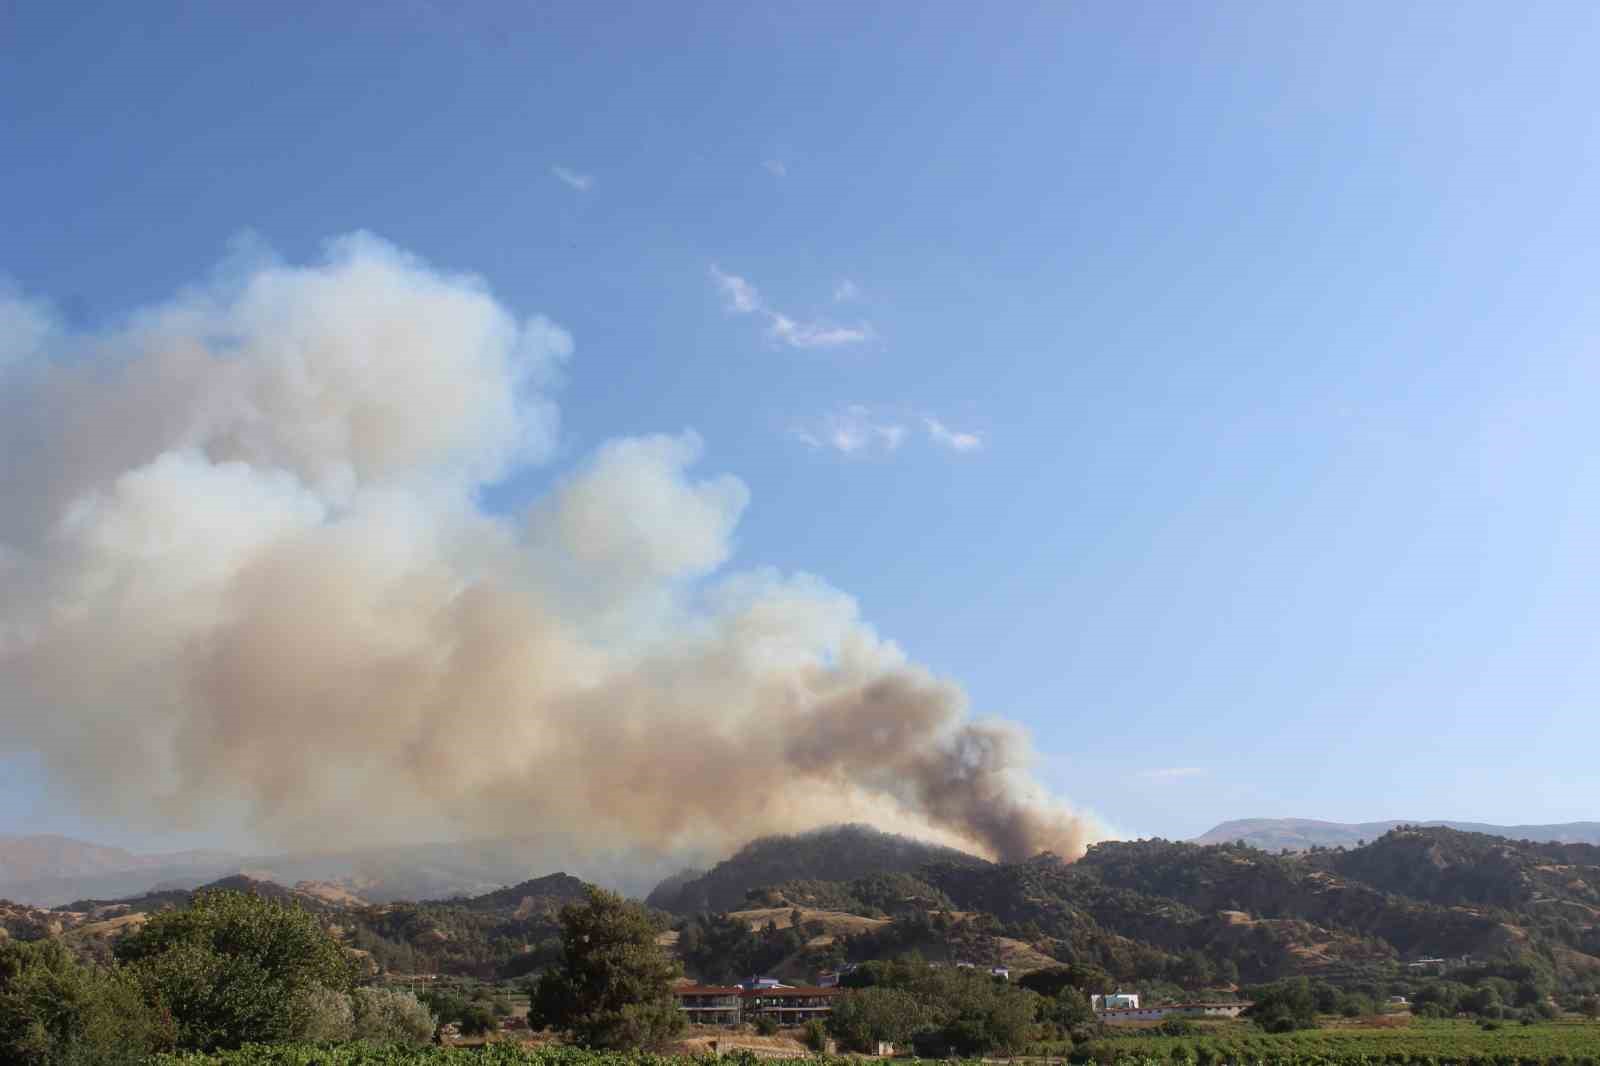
(1301, 834)
(555, 888)
(51, 871)
(46, 857)
(838, 853)
(47, 870)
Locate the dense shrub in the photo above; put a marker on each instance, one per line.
(234, 968)
(56, 1011)
(391, 1016)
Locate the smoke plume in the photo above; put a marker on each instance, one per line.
(247, 582)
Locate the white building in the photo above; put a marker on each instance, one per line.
(1115, 1001)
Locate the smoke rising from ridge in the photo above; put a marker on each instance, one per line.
(245, 581)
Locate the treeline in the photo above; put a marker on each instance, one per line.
(942, 1011)
(227, 970)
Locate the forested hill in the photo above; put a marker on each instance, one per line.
(1198, 917)
(839, 853)
(1467, 869)
(1149, 912)
(504, 933)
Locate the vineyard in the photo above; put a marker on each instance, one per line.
(1440, 1042)
(1431, 1044)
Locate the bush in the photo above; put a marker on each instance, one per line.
(56, 1011)
(816, 1036)
(767, 1025)
(390, 1016)
(326, 1016)
(234, 968)
(477, 1018)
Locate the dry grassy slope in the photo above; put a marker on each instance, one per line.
(834, 923)
(1019, 956)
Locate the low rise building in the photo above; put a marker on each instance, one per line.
(1115, 1001)
(710, 1004)
(789, 1006)
(736, 1004)
(1130, 1015)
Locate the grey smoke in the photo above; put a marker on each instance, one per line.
(246, 583)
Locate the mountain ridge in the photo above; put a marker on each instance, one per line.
(1301, 834)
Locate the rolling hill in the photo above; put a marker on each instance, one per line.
(1301, 834)
(838, 853)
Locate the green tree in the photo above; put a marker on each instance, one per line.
(863, 1016)
(613, 988)
(56, 1011)
(1085, 977)
(234, 968)
(1284, 1006)
(390, 1016)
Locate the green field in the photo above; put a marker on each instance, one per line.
(1419, 1042)
(1422, 1044)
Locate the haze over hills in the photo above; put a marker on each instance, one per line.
(1301, 834)
(1177, 913)
(30, 858)
(50, 871)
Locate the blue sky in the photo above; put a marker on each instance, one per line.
(1217, 380)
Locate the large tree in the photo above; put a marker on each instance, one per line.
(234, 968)
(863, 1016)
(613, 988)
(57, 1011)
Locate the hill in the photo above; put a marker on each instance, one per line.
(503, 933)
(51, 871)
(1168, 917)
(1302, 834)
(1158, 914)
(838, 853)
(44, 857)
(47, 870)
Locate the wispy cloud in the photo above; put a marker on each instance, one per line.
(946, 437)
(776, 168)
(859, 428)
(855, 429)
(1172, 773)
(581, 182)
(741, 298)
(815, 335)
(845, 290)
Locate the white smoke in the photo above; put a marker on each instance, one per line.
(246, 583)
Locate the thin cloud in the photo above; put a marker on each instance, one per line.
(954, 440)
(742, 298)
(859, 428)
(1173, 773)
(853, 430)
(776, 168)
(581, 182)
(814, 335)
(846, 290)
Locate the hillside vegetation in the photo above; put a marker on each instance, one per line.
(1153, 914)
(841, 853)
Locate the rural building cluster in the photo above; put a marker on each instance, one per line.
(726, 1005)
(1121, 1008)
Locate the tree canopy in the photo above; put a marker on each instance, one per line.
(234, 968)
(613, 988)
